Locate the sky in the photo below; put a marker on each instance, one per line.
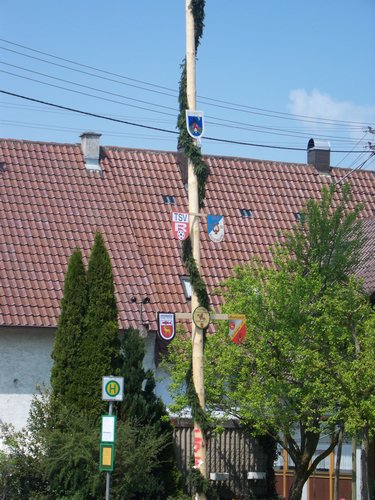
(270, 75)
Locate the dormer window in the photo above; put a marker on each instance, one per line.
(186, 285)
(299, 217)
(169, 200)
(245, 212)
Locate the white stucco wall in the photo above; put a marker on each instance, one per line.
(162, 378)
(25, 362)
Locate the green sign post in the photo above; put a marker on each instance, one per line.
(112, 390)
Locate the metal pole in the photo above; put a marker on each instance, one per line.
(108, 475)
(197, 333)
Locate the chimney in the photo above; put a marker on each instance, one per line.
(319, 155)
(90, 144)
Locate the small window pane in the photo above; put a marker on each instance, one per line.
(169, 200)
(187, 287)
(245, 212)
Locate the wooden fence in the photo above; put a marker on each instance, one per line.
(234, 451)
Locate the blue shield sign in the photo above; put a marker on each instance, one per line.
(195, 123)
(215, 227)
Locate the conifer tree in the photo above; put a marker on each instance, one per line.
(69, 331)
(142, 408)
(100, 346)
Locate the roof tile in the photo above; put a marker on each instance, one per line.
(52, 204)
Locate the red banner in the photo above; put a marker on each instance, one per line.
(237, 328)
(180, 225)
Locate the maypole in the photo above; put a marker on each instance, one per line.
(197, 333)
(197, 176)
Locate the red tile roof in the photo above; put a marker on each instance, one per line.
(50, 204)
(367, 269)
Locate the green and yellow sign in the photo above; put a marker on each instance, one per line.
(112, 388)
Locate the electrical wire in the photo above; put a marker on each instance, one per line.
(360, 167)
(228, 123)
(172, 92)
(96, 115)
(356, 145)
(86, 94)
(85, 86)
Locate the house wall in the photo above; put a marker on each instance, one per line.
(25, 363)
(162, 378)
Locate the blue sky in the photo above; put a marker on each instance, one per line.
(269, 73)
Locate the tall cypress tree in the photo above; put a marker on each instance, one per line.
(142, 408)
(69, 331)
(100, 347)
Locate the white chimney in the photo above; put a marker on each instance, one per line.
(90, 144)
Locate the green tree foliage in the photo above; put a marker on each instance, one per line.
(57, 456)
(306, 367)
(70, 331)
(100, 347)
(141, 407)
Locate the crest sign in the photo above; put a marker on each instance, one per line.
(237, 328)
(166, 326)
(180, 225)
(194, 123)
(215, 227)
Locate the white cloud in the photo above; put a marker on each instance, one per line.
(318, 105)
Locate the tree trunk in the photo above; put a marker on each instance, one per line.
(299, 480)
(365, 490)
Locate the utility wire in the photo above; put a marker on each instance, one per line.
(81, 65)
(357, 168)
(82, 86)
(227, 124)
(356, 145)
(86, 94)
(103, 117)
(211, 101)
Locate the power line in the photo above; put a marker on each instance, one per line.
(83, 86)
(227, 124)
(211, 101)
(80, 64)
(357, 168)
(117, 120)
(86, 94)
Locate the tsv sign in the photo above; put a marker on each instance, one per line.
(180, 225)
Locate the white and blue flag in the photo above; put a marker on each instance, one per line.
(215, 226)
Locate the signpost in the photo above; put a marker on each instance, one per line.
(112, 390)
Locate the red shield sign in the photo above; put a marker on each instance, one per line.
(180, 225)
(237, 328)
(166, 326)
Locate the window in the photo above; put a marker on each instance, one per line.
(186, 285)
(169, 200)
(279, 462)
(323, 464)
(299, 217)
(245, 212)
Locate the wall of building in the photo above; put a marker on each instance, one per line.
(25, 363)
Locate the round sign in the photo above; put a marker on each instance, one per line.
(112, 388)
(201, 317)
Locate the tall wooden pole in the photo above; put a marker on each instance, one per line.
(197, 333)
